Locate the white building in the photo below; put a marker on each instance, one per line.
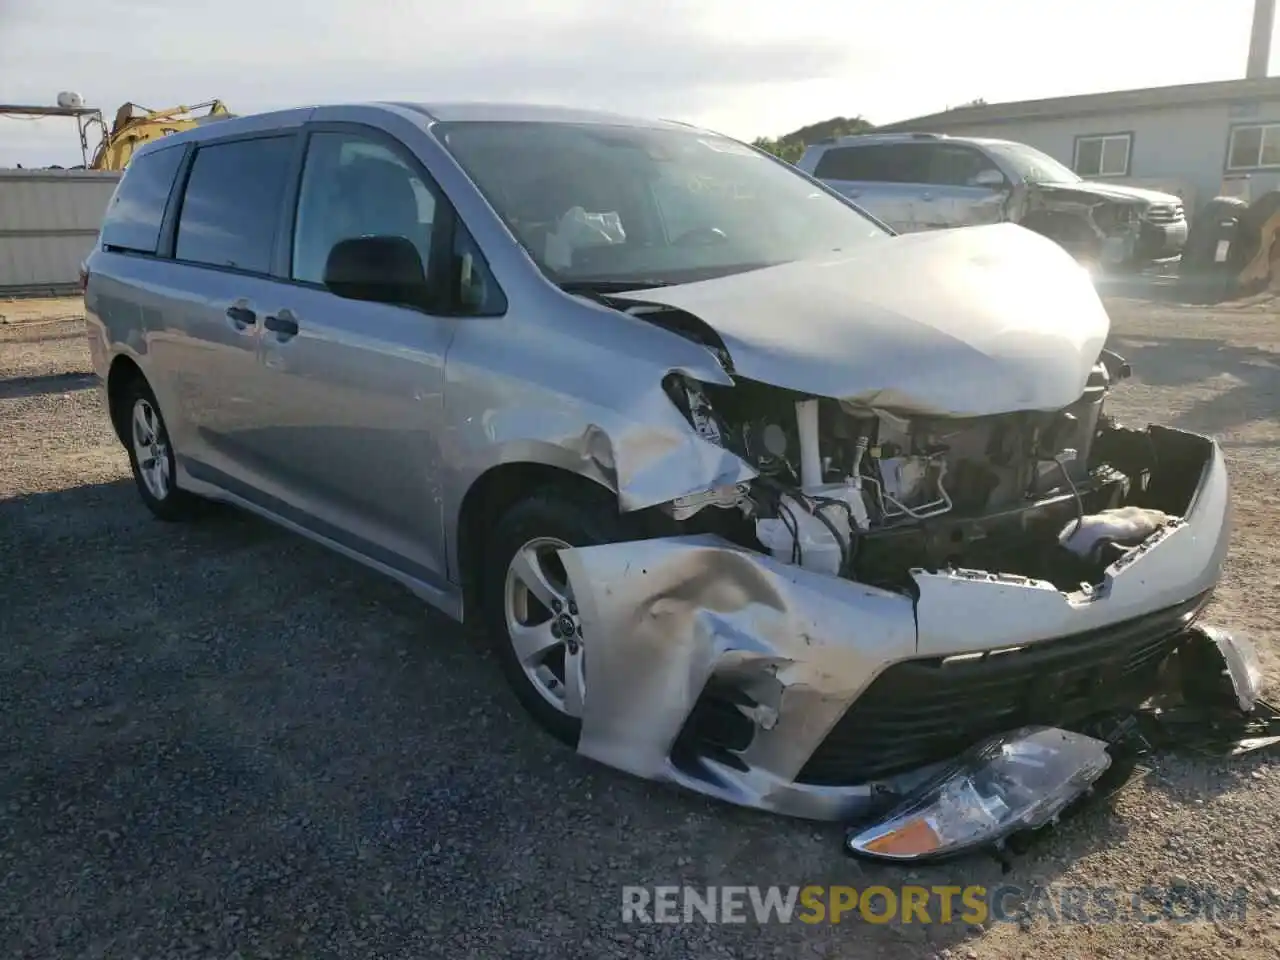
(1197, 140)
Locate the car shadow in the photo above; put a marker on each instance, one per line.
(13, 388)
(1182, 361)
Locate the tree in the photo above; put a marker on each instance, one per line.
(790, 146)
(788, 151)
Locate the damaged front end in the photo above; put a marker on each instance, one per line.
(1090, 226)
(890, 589)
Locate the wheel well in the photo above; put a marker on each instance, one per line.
(122, 373)
(495, 492)
(1059, 226)
(1071, 231)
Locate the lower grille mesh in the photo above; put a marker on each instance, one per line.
(922, 711)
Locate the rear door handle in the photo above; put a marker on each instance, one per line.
(283, 324)
(241, 316)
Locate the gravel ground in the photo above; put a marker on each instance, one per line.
(219, 740)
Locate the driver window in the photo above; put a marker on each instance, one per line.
(353, 186)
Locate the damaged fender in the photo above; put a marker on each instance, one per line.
(640, 446)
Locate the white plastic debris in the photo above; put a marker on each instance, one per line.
(1126, 526)
(818, 548)
(1243, 666)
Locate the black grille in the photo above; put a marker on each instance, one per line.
(922, 711)
(1165, 213)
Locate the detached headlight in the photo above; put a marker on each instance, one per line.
(1015, 781)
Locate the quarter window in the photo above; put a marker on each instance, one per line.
(133, 219)
(353, 186)
(1104, 155)
(232, 203)
(1254, 146)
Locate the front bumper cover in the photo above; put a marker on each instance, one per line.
(666, 621)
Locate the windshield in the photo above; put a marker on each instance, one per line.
(1032, 165)
(617, 205)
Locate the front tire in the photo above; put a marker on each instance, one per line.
(151, 456)
(529, 610)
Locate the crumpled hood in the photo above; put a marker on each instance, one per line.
(1112, 191)
(963, 322)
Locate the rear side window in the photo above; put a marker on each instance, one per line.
(850, 163)
(132, 222)
(232, 203)
(907, 162)
(874, 163)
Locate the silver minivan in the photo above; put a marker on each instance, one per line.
(743, 486)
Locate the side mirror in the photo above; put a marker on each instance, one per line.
(990, 178)
(379, 269)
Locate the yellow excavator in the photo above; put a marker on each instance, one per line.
(135, 125)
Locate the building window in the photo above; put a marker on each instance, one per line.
(1257, 145)
(1103, 155)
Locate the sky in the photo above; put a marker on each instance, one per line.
(746, 68)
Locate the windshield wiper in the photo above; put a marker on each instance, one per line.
(609, 286)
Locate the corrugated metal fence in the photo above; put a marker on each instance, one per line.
(48, 222)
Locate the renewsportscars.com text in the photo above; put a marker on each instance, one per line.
(973, 904)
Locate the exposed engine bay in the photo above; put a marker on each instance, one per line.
(1085, 222)
(870, 495)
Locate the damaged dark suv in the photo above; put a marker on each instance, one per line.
(751, 494)
(927, 181)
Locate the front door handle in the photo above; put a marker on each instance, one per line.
(241, 316)
(283, 324)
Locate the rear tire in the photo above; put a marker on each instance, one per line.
(539, 645)
(151, 456)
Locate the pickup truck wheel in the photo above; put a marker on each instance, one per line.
(529, 609)
(151, 456)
